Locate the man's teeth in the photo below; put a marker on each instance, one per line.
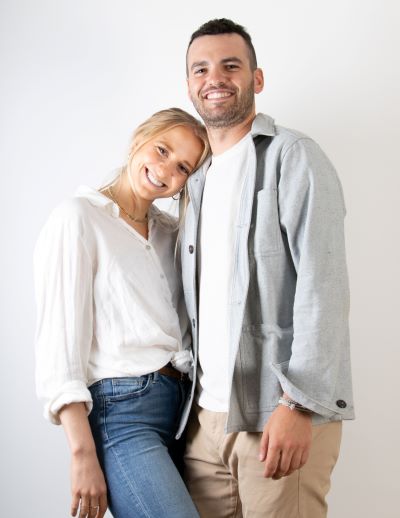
(153, 179)
(218, 95)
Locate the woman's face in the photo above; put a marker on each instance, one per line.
(160, 168)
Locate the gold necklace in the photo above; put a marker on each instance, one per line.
(136, 220)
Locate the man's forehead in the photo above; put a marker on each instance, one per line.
(219, 46)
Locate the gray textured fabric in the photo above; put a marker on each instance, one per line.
(289, 289)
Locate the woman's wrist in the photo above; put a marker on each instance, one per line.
(79, 451)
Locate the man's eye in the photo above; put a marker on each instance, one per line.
(231, 67)
(199, 71)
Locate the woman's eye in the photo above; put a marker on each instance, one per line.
(162, 150)
(184, 169)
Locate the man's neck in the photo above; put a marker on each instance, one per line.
(222, 139)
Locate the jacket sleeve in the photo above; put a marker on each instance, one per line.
(312, 211)
(63, 275)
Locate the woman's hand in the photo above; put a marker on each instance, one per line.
(89, 490)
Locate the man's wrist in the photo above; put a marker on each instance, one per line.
(293, 405)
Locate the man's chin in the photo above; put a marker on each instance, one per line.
(218, 118)
(222, 120)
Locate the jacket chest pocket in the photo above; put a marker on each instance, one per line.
(267, 239)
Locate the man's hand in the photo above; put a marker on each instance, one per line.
(285, 442)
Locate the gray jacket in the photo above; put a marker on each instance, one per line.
(289, 299)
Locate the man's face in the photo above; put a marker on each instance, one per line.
(220, 80)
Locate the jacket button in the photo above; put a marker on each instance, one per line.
(341, 404)
(193, 322)
(191, 249)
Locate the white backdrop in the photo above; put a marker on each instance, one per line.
(76, 77)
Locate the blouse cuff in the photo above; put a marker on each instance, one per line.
(70, 392)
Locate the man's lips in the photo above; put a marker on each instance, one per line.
(216, 95)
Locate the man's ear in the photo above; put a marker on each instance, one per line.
(258, 80)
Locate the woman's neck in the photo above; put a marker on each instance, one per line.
(134, 205)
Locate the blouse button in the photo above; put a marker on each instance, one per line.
(191, 249)
(148, 247)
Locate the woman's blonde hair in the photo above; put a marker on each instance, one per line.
(158, 123)
(165, 120)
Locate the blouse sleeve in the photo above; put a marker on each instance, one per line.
(63, 275)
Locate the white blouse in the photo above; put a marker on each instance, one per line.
(109, 302)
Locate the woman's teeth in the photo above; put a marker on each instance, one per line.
(153, 179)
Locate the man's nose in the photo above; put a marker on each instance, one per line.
(216, 78)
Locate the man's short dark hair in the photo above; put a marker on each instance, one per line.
(225, 26)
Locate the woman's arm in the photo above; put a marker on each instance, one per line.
(87, 480)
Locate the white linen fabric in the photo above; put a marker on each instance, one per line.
(109, 301)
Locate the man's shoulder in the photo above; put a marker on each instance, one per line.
(281, 135)
(290, 135)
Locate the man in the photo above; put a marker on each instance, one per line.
(266, 289)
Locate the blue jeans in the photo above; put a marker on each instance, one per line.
(134, 421)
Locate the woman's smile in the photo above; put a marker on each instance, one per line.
(153, 179)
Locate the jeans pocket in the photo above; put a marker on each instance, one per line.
(122, 389)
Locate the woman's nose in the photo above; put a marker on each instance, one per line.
(165, 169)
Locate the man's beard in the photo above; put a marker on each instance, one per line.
(232, 116)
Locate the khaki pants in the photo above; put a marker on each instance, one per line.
(225, 477)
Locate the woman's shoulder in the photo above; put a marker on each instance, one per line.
(72, 210)
(72, 216)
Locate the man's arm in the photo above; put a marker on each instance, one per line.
(311, 211)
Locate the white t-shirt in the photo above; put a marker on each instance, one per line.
(220, 203)
(109, 301)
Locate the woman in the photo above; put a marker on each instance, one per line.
(111, 337)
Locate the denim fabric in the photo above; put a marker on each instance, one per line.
(134, 422)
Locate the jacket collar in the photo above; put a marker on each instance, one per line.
(263, 125)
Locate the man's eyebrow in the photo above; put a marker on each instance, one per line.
(198, 64)
(231, 59)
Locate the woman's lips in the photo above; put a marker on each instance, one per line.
(153, 180)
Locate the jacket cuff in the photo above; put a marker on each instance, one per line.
(71, 392)
(321, 408)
